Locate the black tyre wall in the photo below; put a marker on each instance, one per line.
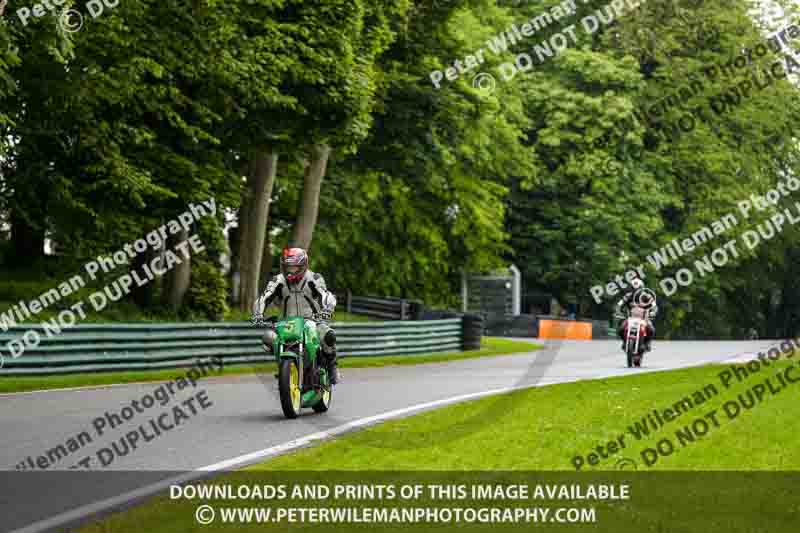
(472, 330)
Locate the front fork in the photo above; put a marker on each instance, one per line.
(633, 334)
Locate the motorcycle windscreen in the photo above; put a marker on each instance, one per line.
(290, 329)
(638, 312)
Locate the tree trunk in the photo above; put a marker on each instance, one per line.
(240, 238)
(254, 226)
(309, 200)
(27, 242)
(244, 224)
(233, 272)
(179, 276)
(266, 258)
(143, 296)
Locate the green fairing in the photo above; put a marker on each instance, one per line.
(299, 329)
(289, 330)
(312, 338)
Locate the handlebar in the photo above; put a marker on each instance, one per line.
(261, 321)
(650, 315)
(322, 316)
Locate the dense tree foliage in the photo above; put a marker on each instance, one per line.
(317, 123)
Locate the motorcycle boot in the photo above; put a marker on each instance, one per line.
(334, 370)
(333, 363)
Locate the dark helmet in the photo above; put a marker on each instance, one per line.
(294, 263)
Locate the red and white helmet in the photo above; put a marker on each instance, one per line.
(294, 263)
(637, 284)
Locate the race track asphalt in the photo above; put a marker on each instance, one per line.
(244, 424)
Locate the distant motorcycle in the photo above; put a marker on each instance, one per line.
(303, 381)
(635, 328)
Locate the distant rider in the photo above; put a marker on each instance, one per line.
(298, 291)
(641, 297)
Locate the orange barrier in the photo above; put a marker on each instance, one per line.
(565, 329)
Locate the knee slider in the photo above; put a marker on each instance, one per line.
(268, 340)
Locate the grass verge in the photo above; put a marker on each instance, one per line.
(491, 346)
(544, 429)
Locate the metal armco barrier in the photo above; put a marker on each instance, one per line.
(104, 347)
(385, 308)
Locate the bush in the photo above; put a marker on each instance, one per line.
(208, 291)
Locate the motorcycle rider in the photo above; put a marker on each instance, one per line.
(642, 297)
(300, 292)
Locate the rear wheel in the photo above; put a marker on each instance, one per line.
(289, 388)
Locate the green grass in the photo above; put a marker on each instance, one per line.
(545, 427)
(491, 346)
(541, 430)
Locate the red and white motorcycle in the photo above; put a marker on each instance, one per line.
(635, 328)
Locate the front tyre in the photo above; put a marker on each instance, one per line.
(289, 388)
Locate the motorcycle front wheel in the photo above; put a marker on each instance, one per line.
(289, 388)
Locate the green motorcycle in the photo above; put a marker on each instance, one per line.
(303, 381)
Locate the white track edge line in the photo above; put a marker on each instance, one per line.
(78, 513)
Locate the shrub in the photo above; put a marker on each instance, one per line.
(208, 291)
